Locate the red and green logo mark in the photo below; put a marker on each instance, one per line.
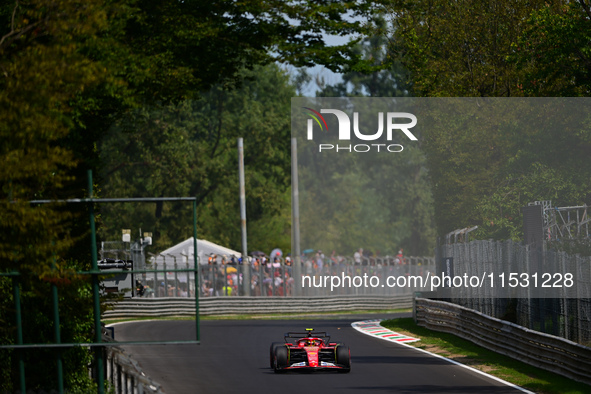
(316, 115)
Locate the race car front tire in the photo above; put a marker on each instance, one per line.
(274, 346)
(281, 358)
(343, 358)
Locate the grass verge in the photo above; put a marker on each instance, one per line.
(503, 367)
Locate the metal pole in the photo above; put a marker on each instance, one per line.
(156, 284)
(196, 267)
(283, 271)
(272, 279)
(176, 277)
(188, 274)
(295, 225)
(57, 334)
(262, 279)
(246, 279)
(165, 277)
(19, 333)
(226, 280)
(95, 294)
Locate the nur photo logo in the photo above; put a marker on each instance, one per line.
(388, 124)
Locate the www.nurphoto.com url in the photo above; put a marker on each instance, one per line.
(434, 282)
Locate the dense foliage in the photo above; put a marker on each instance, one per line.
(72, 70)
(485, 165)
(152, 95)
(44, 69)
(379, 202)
(190, 149)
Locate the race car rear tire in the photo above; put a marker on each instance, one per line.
(274, 346)
(281, 358)
(343, 358)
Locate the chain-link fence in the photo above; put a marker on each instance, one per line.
(364, 276)
(546, 291)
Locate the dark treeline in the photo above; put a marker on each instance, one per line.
(142, 94)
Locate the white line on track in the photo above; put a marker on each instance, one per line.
(356, 325)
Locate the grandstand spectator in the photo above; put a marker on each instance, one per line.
(139, 288)
(319, 261)
(161, 290)
(358, 256)
(400, 257)
(333, 258)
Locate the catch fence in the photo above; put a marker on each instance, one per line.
(275, 279)
(565, 312)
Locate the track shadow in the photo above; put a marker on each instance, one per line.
(397, 360)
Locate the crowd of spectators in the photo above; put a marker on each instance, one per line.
(269, 275)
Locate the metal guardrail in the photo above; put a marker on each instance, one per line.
(145, 307)
(126, 376)
(541, 350)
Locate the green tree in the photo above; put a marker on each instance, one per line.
(455, 49)
(190, 149)
(545, 159)
(379, 201)
(43, 70)
(71, 68)
(484, 167)
(553, 50)
(401, 203)
(386, 77)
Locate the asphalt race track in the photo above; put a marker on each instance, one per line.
(233, 357)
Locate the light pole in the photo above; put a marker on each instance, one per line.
(295, 225)
(245, 267)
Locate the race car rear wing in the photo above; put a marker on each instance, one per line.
(308, 334)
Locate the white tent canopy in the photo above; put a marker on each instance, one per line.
(182, 253)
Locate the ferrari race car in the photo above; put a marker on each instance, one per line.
(310, 350)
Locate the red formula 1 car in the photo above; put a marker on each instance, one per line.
(310, 350)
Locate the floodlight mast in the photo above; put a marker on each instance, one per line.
(246, 272)
(295, 225)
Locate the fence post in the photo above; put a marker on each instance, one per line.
(57, 336)
(95, 292)
(196, 267)
(19, 333)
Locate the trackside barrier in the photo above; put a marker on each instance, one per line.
(126, 376)
(565, 313)
(541, 350)
(145, 307)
